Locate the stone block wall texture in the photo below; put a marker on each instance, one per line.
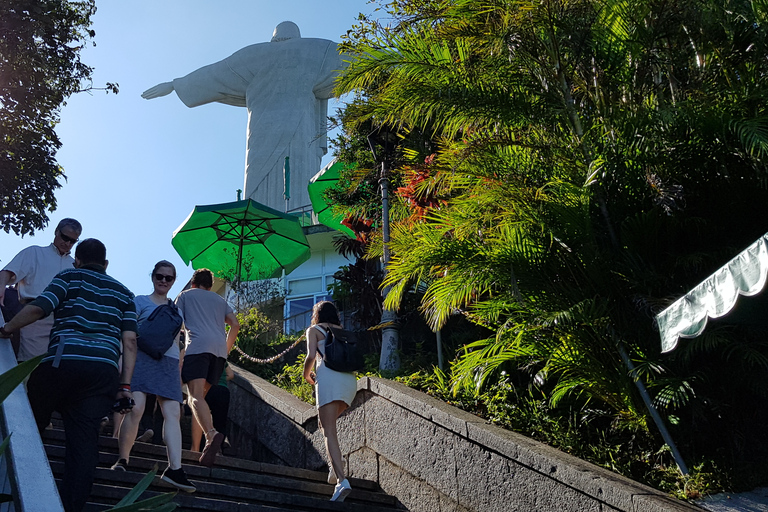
(433, 457)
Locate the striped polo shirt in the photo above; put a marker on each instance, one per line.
(91, 311)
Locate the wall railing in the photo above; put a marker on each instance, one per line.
(25, 473)
(430, 455)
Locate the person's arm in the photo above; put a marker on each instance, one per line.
(30, 313)
(182, 346)
(309, 361)
(229, 372)
(181, 365)
(42, 306)
(6, 277)
(129, 362)
(234, 328)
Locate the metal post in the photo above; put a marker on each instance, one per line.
(439, 339)
(654, 413)
(287, 181)
(390, 358)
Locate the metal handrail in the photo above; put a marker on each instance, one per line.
(27, 476)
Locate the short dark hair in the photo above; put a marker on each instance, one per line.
(164, 263)
(69, 223)
(91, 250)
(203, 277)
(325, 312)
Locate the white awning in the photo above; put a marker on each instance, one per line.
(715, 296)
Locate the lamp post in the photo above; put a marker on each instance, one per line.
(386, 139)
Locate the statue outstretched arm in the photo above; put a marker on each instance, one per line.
(157, 91)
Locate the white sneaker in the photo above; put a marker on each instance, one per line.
(341, 491)
(332, 477)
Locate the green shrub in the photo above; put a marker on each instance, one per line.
(291, 379)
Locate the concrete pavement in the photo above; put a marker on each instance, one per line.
(752, 501)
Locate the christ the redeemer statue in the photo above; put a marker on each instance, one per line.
(285, 84)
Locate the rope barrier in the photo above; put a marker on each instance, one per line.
(281, 354)
(271, 359)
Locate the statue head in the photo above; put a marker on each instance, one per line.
(285, 30)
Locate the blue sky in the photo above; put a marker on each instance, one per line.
(136, 168)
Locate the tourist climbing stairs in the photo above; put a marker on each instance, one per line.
(231, 485)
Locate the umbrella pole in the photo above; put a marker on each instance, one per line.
(238, 276)
(654, 413)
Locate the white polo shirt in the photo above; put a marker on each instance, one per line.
(35, 267)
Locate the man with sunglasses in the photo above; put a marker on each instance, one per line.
(32, 270)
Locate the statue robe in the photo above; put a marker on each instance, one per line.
(286, 86)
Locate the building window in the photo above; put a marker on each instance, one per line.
(305, 286)
(299, 311)
(299, 314)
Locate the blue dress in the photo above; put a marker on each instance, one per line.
(152, 376)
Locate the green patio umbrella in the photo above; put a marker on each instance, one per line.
(222, 236)
(327, 177)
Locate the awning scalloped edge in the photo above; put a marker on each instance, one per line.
(715, 296)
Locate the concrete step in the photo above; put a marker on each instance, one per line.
(231, 485)
(209, 482)
(108, 445)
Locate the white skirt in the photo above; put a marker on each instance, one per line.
(332, 385)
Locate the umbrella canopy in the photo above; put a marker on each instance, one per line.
(326, 178)
(244, 237)
(746, 274)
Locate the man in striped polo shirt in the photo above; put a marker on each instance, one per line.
(93, 314)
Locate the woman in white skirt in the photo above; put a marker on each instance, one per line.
(334, 391)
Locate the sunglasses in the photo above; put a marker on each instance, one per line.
(161, 277)
(67, 239)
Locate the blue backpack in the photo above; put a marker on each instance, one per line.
(158, 332)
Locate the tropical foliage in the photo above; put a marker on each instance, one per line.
(40, 68)
(566, 169)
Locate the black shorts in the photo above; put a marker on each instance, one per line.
(202, 366)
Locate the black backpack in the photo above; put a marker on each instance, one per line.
(343, 350)
(12, 304)
(158, 332)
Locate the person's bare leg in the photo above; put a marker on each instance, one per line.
(117, 421)
(200, 410)
(171, 430)
(328, 414)
(130, 426)
(197, 435)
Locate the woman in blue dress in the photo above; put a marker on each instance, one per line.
(161, 378)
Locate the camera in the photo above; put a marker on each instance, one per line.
(122, 404)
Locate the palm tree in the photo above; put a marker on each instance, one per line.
(577, 152)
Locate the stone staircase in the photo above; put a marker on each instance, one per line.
(231, 485)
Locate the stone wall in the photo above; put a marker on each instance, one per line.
(431, 456)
